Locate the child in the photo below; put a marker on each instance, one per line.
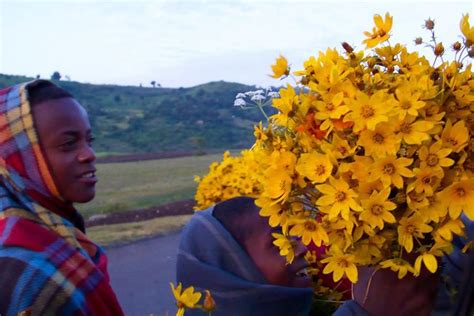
(47, 264)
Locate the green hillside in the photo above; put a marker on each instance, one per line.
(128, 119)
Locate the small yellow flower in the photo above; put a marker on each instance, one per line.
(455, 137)
(408, 101)
(278, 185)
(377, 209)
(187, 299)
(316, 167)
(368, 111)
(410, 227)
(285, 246)
(390, 171)
(339, 197)
(280, 68)
(398, 265)
(449, 228)
(380, 142)
(459, 197)
(429, 260)
(340, 264)
(466, 29)
(310, 230)
(427, 180)
(380, 33)
(413, 131)
(435, 157)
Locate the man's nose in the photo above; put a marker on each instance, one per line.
(87, 154)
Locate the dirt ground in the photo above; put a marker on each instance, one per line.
(183, 207)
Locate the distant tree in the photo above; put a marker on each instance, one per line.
(153, 83)
(68, 78)
(56, 76)
(140, 85)
(37, 76)
(158, 85)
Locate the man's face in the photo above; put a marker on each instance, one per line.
(65, 135)
(267, 258)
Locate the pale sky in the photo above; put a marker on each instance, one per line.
(186, 43)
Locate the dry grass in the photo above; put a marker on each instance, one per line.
(119, 233)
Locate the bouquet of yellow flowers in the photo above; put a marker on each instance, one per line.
(370, 153)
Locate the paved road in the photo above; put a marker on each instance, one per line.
(140, 274)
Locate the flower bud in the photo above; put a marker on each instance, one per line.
(429, 24)
(418, 41)
(470, 52)
(348, 48)
(456, 47)
(439, 49)
(209, 304)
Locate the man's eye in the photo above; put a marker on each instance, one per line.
(68, 144)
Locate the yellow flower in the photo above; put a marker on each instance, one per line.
(455, 137)
(287, 100)
(408, 101)
(390, 171)
(368, 111)
(338, 148)
(330, 108)
(429, 260)
(379, 142)
(410, 227)
(316, 167)
(459, 197)
(398, 264)
(285, 245)
(435, 157)
(466, 28)
(448, 228)
(280, 68)
(186, 299)
(366, 188)
(340, 264)
(426, 181)
(310, 230)
(339, 197)
(380, 33)
(413, 132)
(278, 185)
(377, 209)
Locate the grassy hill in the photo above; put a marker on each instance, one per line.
(128, 119)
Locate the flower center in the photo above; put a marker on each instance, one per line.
(460, 192)
(452, 141)
(378, 138)
(405, 128)
(389, 169)
(367, 111)
(411, 229)
(310, 226)
(343, 263)
(432, 160)
(340, 196)
(342, 150)
(377, 209)
(329, 107)
(320, 170)
(405, 104)
(426, 180)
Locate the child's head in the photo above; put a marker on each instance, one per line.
(65, 136)
(240, 216)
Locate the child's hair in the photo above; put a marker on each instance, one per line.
(44, 90)
(236, 216)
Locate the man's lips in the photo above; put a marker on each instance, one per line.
(88, 177)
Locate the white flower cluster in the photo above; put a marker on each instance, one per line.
(255, 98)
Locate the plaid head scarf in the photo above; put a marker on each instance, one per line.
(47, 264)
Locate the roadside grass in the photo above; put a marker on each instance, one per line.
(123, 233)
(141, 184)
